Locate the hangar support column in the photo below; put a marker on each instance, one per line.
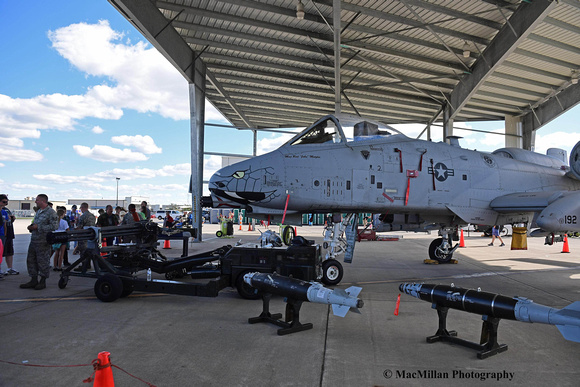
(513, 131)
(447, 124)
(197, 119)
(336, 11)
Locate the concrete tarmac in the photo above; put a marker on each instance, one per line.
(170, 340)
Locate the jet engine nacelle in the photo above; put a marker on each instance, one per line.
(562, 215)
(575, 162)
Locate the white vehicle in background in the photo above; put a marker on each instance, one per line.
(174, 214)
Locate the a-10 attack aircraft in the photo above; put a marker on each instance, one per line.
(352, 165)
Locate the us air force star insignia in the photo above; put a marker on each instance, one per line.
(441, 171)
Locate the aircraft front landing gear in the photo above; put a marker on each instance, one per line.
(441, 249)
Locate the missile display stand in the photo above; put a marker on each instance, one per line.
(487, 346)
(290, 324)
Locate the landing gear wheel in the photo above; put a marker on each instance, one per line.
(245, 290)
(287, 235)
(127, 288)
(332, 272)
(62, 282)
(219, 234)
(108, 287)
(435, 252)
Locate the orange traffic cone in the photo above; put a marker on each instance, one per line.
(166, 244)
(461, 240)
(398, 303)
(566, 248)
(249, 226)
(104, 372)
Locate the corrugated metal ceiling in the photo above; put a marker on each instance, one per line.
(401, 59)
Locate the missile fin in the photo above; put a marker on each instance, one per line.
(573, 306)
(570, 332)
(353, 291)
(340, 292)
(340, 310)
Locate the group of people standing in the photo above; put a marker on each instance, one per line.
(47, 220)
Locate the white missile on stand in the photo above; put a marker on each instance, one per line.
(341, 300)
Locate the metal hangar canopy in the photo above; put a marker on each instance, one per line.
(396, 61)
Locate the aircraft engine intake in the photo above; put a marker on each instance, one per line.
(575, 162)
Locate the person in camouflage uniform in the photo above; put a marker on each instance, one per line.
(39, 250)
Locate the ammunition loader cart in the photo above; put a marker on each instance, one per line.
(115, 267)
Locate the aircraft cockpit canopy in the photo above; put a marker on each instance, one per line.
(342, 129)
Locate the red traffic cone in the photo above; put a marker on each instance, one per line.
(104, 372)
(166, 244)
(461, 240)
(103, 244)
(398, 303)
(566, 248)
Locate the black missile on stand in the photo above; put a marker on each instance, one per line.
(567, 319)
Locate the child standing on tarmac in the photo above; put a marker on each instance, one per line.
(495, 234)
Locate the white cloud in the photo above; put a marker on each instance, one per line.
(11, 149)
(274, 141)
(61, 179)
(144, 144)
(109, 154)
(145, 173)
(210, 166)
(20, 186)
(561, 140)
(145, 80)
(97, 130)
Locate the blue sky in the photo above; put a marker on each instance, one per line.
(84, 99)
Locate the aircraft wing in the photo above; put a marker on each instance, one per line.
(474, 215)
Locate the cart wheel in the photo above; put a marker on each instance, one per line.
(108, 287)
(62, 282)
(219, 234)
(325, 245)
(331, 272)
(127, 287)
(245, 290)
(170, 275)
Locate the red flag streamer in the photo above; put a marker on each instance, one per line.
(421, 161)
(285, 207)
(400, 158)
(398, 303)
